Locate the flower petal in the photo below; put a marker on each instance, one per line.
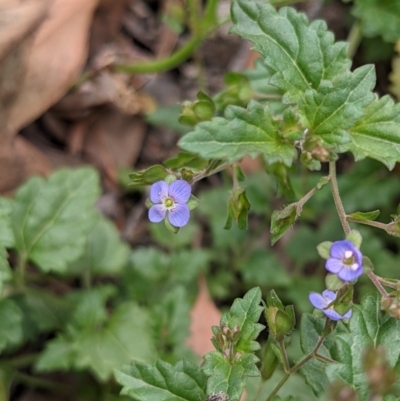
(334, 265)
(347, 274)
(348, 314)
(358, 256)
(338, 248)
(157, 213)
(179, 215)
(158, 191)
(329, 295)
(317, 300)
(332, 314)
(180, 191)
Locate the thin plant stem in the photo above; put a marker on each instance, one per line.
(164, 64)
(377, 283)
(354, 39)
(286, 364)
(337, 199)
(209, 23)
(209, 172)
(20, 361)
(20, 272)
(31, 381)
(308, 195)
(298, 365)
(371, 223)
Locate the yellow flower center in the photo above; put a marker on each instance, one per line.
(168, 202)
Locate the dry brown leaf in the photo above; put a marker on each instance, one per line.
(114, 141)
(204, 314)
(55, 58)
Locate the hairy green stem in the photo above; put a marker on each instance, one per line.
(371, 223)
(286, 364)
(298, 365)
(377, 283)
(337, 199)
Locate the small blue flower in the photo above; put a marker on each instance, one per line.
(345, 260)
(170, 200)
(322, 301)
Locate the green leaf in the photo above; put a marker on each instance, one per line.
(162, 382)
(124, 337)
(282, 220)
(11, 333)
(242, 132)
(367, 326)
(377, 134)
(324, 249)
(228, 377)
(379, 17)
(6, 232)
(329, 112)
(171, 322)
(245, 313)
(52, 218)
(186, 159)
(148, 176)
(5, 271)
(365, 216)
(301, 59)
(105, 252)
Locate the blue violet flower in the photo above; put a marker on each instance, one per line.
(345, 260)
(170, 200)
(322, 301)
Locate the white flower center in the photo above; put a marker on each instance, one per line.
(354, 266)
(348, 254)
(168, 203)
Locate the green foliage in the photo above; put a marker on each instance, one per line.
(104, 253)
(237, 333)
(51, 219)
(376, 135)
(302, 59)
(378, 17)
(162, 381)
(99, 343)
(242, 132)
(10, 328)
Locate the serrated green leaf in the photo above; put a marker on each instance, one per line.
(363, 216)
(52, 217)
(379, 17)
(332, 110)
(105, 252)
(124, 337)
(302, 58)
(245, 313)
(162, 382)
(11, 333)
(367, 326)
(228, 377)
(242, 132)
(377, 134)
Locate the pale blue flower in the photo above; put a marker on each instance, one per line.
(322, 301)
(170, 200)
(345, 260)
